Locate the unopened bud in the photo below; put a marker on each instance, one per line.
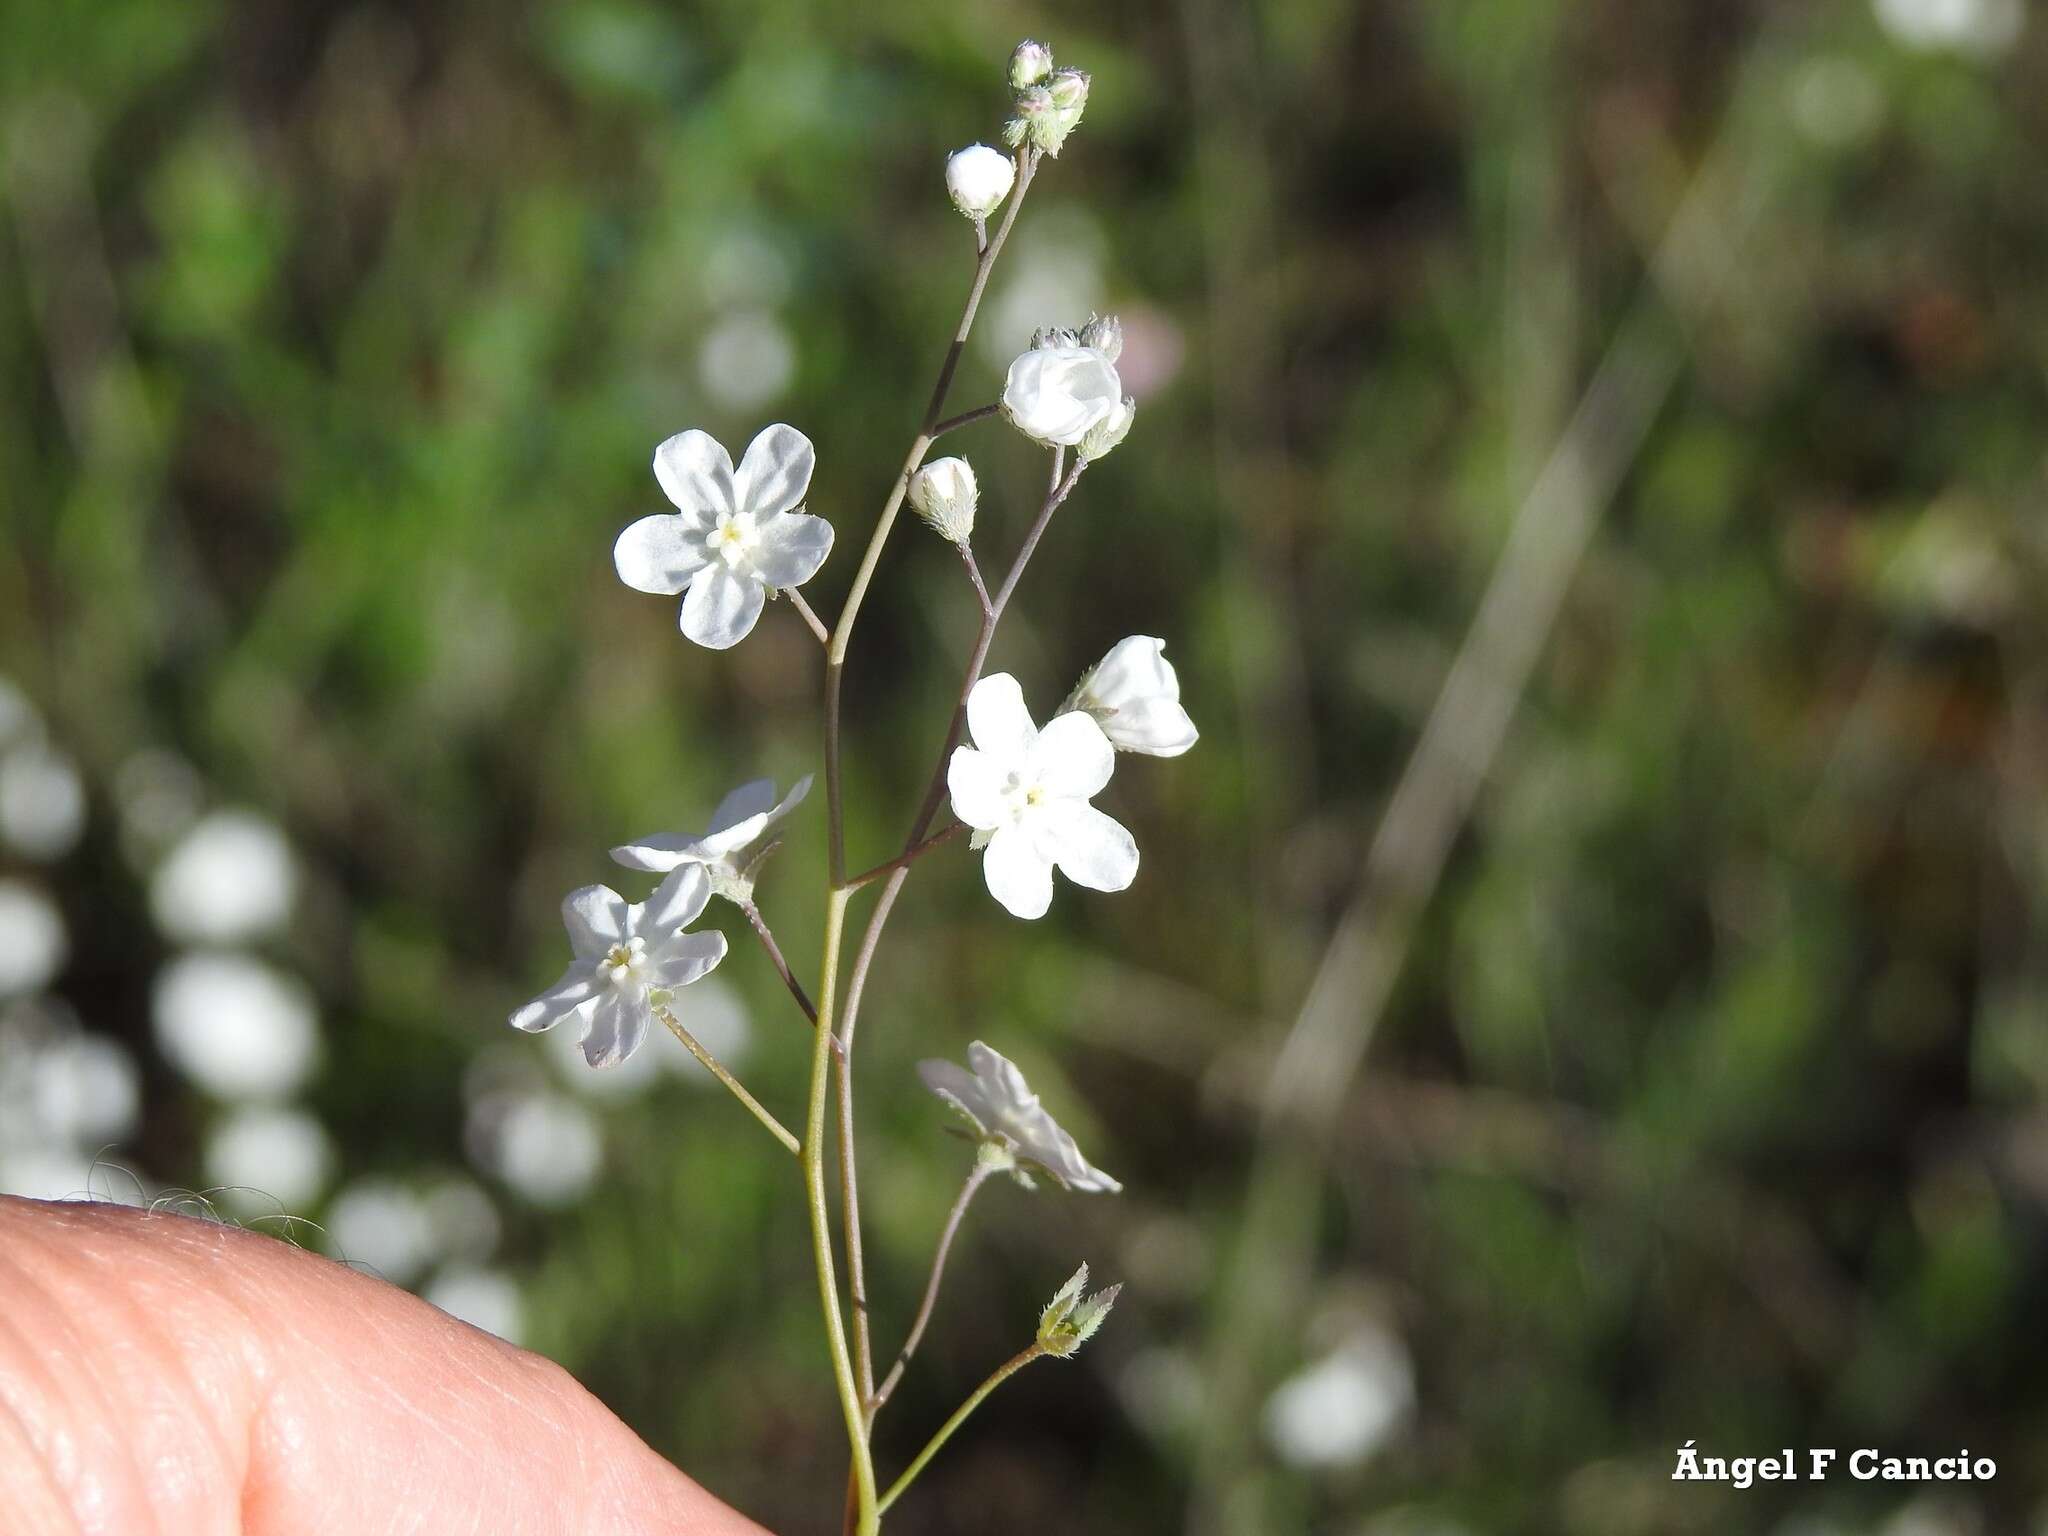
(1108, 432)
(1034, 122)
(944, 494)
(1069, 90)
(1069, 1321)
(978, 178)
(1105, 333)
(1049, 336)
(1029, 64)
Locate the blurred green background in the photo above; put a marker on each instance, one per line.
(1586, 991)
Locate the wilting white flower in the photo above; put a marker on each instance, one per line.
(1133, 694)
(1058, 395)
(944, 494)
(978, 178)
(735, 536)
(278, 1154)
(742, 819)
(230, 878)
(1029, 63)
(1068, 1321)
(42, 801)
(237, 1028)
(1029, 790)
(33, 945)
(628, 956)
(1001, 1107)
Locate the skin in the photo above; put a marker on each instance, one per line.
(160, 1374)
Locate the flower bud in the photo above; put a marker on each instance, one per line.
(1105, 333)
(944, 494)
(1034, 123)
(1108, 432)
(1058, 395)
(1069, 1321)
(978, 178)
(1069, 90)
(1029, 64)
(1048, 336)
(1134, 695)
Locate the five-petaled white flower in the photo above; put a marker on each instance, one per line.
(735, 536)
(1057, 395)
(1133, 694)
(1029, 790)
(626, 955)
(741, 820)
(1001, 1107)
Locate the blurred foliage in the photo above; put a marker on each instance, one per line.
(333, 342)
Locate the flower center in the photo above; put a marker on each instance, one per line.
(624, 964)
(733, 539)
(1022, 796)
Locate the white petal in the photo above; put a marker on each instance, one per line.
(1018, 875)
(793, 799)
(573, 991)
(687, 956)
(661, 852)
(1072, 759)
(754, 798)
(1135, 668)
(998, 721)
(976, 785)
(659, 553)
(695, 473)
(1090, 848)
(616, 1029)
(721, 608)
(957, 1087)
(1154, 727)
(774, 472)
(676, 901)
(595, 916)
(792, 546)
(727, 841)
(1003, 1082)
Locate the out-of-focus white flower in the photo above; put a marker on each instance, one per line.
(234, 1026)
(1030, 63)
(724, 848)
(86, 1089)
(628, 957)
(464, 1222)
(1344, 1407)
(1134, 695)
(230, 878)
(1029, 791)
(747, 359)
(978, 178)
(42, 801)
(1069, 1320)
(270, 1154)
(1983, 27)
(1001, 1107)
(944, 494)
(484, 1298)
(383, 1227)
(1058, 395)
(33, 944)
(544, 1145)
(735, 536)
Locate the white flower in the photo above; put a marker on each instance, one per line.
(1057, 395)
(1133, 694)
(1001, 1107)
(281, 1157)
(235, 1026)
(734, 537)
(944, 494)
(33, 944)
(626, 953)
(1029, 790)
(42, 801)
(978, 178)
(230, 878)
(741, 820)
(1347, 1405)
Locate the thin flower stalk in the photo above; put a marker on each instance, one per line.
(1001, 1374)
(718, 1070)
(976, 1177)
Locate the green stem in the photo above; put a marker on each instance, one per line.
(1002, 1374)
(717, 1069)
(813, 1157)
